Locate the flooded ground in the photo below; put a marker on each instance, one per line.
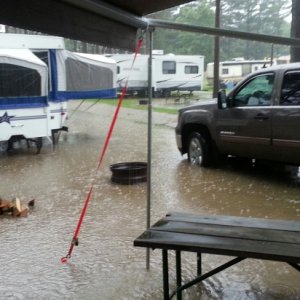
(105, 265)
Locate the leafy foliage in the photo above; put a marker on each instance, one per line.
(257, 16)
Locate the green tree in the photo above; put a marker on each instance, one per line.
(191, 43)
(162, 38)
(257, 16)
(179, 42)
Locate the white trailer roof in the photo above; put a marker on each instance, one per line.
(30, 41)
(22, 55)
(96, 57)
(25, 58)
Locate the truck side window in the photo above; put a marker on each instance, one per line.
(290, 92)
(256, 92)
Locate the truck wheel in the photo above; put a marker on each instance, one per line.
(198, 150)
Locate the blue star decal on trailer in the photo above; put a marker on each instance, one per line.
(5, 118)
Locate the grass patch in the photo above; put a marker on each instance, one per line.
(134, 104)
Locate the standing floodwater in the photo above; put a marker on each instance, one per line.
(105, 265)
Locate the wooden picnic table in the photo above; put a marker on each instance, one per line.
(181, 98)
(242, 237)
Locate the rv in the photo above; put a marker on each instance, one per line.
(68, 76)
(23, 97)
(231, 72)
(169, 73)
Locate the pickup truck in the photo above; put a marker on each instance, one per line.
(259, 118)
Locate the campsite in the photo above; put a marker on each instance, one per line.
(38, 77)
(225, 232)
(105, 265)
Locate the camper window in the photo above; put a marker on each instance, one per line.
(191, 69)
(169, 67)
(16, 81)
(225, 71)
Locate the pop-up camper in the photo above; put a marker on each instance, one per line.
(23, 96)
(76, 76)
(40, 45)
(81, 76)
(70, 76)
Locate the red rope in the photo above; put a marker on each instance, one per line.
(137, 50)
(74, 241)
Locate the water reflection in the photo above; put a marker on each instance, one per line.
(106, 265)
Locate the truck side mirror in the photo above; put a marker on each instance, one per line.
(222, 103)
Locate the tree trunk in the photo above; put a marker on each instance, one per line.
(295, 29)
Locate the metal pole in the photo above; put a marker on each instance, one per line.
(149, 143)
(165, 273)
(272, 55)
(216, 51)
(178, 274)
(224, 32)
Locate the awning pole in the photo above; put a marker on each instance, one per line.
(149, 144)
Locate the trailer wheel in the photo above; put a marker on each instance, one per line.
(39, 144)
(3, 146)
(167, 93)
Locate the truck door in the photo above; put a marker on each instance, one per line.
(286, 120)
(244, 128)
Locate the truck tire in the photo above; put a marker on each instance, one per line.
(198, 150)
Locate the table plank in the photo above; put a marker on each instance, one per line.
(225, 235)
(245, 233)
(236, 221)
(219, 245)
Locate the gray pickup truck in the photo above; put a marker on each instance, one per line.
(259, 118)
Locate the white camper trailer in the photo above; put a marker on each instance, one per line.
(76, 76)
(70, 76)
(231, 72)
(23, 97)
(169, 73)
(41, 45)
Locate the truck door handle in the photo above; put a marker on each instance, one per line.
(261, 117)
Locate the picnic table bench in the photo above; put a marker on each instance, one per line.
(181, 98)
(241, 237)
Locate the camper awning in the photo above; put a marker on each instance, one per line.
(112, 23)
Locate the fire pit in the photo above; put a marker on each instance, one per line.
(129, 172)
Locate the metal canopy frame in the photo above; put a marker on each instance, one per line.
(264, 38)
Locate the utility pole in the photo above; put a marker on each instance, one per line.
(295, 30)
(217, 50)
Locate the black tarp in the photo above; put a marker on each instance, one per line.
(109, 23)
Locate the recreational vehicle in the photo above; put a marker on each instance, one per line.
(231, 72)
(40, 45)
(68, 76)
(169, 73)
(23, 97)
